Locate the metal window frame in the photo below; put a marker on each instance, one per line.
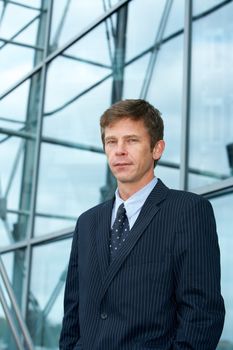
(211, 191)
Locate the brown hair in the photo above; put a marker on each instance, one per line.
(135, 110)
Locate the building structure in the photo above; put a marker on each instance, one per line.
(62, 63)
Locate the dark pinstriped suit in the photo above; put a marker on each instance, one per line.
(163, 289)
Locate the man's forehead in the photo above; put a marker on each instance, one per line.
(124, 121)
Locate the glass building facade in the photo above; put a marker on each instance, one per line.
(62, 63)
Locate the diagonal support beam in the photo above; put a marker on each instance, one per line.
(157, 44)
(10, 292)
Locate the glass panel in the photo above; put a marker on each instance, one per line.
(76, 101)
(134, 75)
(223, 207)
(211, 103)
(169, 176)
(71, 17)
(14, 264)
(69, 183)
(143, 22)
(9, 229)
(14, 18)
(34, 3)
(17, 156)
(11, 70)
(49, 265)
(167, 97)
(6, 339)
(200, 6)
(15, 267)
(22, 41)
(13, 107)
(78, 121)
(176, 17)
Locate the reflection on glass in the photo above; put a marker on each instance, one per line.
(141, 33)
(19, 25)
(79, 121)
(49, 266)
(200, 6)
(15, 267)
(168, 175)
(134, 75)
(14, 264)
(71, 17)
(223, 208)
(211, 127)
(12, 153)
(69, 183)
(165, 93)
(13, 107)
(5, 333)
(176, 17)
(76, 101)
(17, 155)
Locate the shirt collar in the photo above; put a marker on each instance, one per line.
(136, 201)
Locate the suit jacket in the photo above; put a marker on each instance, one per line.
(162, 291)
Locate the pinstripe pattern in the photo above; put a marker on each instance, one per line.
(162, 291)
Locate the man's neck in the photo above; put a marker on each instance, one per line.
(126, 190)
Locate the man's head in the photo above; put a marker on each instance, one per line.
(135, 110)
(132, 134)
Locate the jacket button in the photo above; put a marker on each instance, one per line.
(104, 315)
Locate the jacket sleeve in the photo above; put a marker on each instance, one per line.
(200, 306)
(70, 333)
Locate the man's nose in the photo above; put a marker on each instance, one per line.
(121, 148)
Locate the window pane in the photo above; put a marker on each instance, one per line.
(200, 6)
(76, 101)
(69, 183)
(15, 267)
(223, 207)
(168, 175)
(134, 75)
(49, 265)
(211, 105)
(20, 115)
(176, 17)
(167, 97)
(22, 42)
(6, 338)
(143, 23)
(69, 20)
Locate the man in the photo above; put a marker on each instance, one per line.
(144, 270)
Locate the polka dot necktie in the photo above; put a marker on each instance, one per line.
(119, 231)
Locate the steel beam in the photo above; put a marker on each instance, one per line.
(156, 47)
(185, 125)
(15, 306)
(10, 320)
(108, 190)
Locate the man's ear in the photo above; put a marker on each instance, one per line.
(158, 149)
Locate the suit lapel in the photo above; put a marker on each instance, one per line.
(102, 236)
(148, 211)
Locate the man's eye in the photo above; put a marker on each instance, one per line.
(110, 142)
(133, 140)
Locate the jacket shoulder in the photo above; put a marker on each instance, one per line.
(97, 209)
(187, 199)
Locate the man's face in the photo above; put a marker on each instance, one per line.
(129, 153)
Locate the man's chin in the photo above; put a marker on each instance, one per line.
(123, 179)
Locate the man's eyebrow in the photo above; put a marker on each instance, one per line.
(132, 135)
(110, 137)
(125, 136)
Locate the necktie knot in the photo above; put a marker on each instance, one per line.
(121, 210)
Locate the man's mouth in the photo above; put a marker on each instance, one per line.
(120, 164)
